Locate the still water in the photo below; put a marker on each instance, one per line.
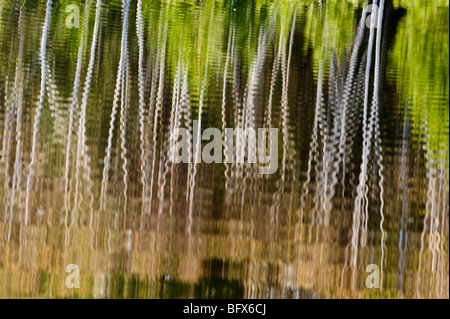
(86, 113)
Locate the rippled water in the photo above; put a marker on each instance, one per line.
(363, 153)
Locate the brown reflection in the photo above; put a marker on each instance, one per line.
(86, 176)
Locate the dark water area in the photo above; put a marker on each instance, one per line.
(360, 98)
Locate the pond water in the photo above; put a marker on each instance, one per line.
(357, 207)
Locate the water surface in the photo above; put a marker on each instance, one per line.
(363, 153)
